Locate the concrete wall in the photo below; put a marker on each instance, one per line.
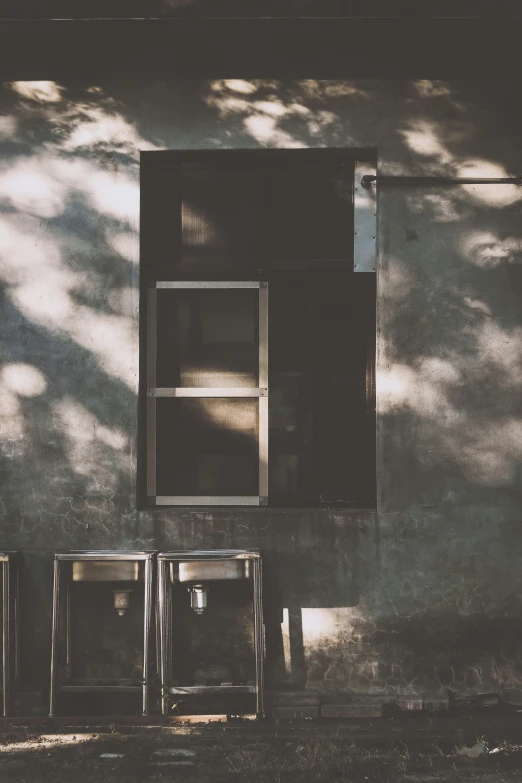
(421, 596)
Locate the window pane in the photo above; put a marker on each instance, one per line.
(208, 338)
(321, 439)
(207, 446)
(222, 217)
(311, 213)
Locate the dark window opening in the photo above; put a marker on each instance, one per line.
(282, 220)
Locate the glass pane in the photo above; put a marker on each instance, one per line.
(207, 446)
(208, 338)
(312, 213)
(222, 217)
(321, 438)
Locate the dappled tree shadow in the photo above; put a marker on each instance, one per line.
(449, 349)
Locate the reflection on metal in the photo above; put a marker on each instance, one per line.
(105, 571)
(203, 570)
(198, 598)
(201, 565)
(364, 219)
(205, 500)
(121, 600)
(186, 391)
(154, 392)
(208, 284)
(367, 180)
(10, 645)
(96, 566)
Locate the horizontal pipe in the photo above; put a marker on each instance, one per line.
(369, 179)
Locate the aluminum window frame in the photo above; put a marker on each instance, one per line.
(154, 392)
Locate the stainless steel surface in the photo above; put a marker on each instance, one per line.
(164, 634)
(204, 570)
(197, 558)
(364, 219)
(69, 688)
(206, 500)
(198, 598)
(6, 627)
(10, 626)
(207, 690)
(99, 565)
(259, 637)
(211, 554)
(104, 555)
(147, 627)
(108, 571)
(372, 179)
(207, 284)
(68, 632)
(121, 600)
(152, 308)
(185, 391)
(54, 640)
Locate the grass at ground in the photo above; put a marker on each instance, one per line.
(115, 758)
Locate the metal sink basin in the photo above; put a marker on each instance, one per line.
(210, 570)
(108, 571)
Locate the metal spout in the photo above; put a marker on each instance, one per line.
(198, 598)
(121, 600)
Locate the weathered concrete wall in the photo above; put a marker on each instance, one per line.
(422, 596)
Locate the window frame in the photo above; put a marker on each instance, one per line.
(154, 392)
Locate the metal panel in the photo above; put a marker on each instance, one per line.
(207, 284)
(204, 570)
(104, 555)
(189, 391)
(206, 690)
(364, 219)
(6, 646)
(96, 571)
(211, 554)
(204, 500)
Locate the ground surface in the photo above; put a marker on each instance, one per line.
(417, 752)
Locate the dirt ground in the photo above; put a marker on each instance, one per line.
(279, 753)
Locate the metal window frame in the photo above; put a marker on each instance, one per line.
(154, 392)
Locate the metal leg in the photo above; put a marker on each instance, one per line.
(168, 624)
(259, 644)
(5, 637)
(164, 681)
(68, 633)
(147, 621)
(54, 641)
(16, 611)
(157, 626)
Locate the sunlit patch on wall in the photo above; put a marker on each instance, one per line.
(496, 195)
(30, 186)
(41, 91)
(8, 126)
(94, 451)
(125, 244)
(23, 379)
(487, 250)
(423, 137)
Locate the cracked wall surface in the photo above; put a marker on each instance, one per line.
(423, 595)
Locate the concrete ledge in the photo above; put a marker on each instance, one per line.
(352, 710)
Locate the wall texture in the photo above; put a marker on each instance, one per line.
(423, 595)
